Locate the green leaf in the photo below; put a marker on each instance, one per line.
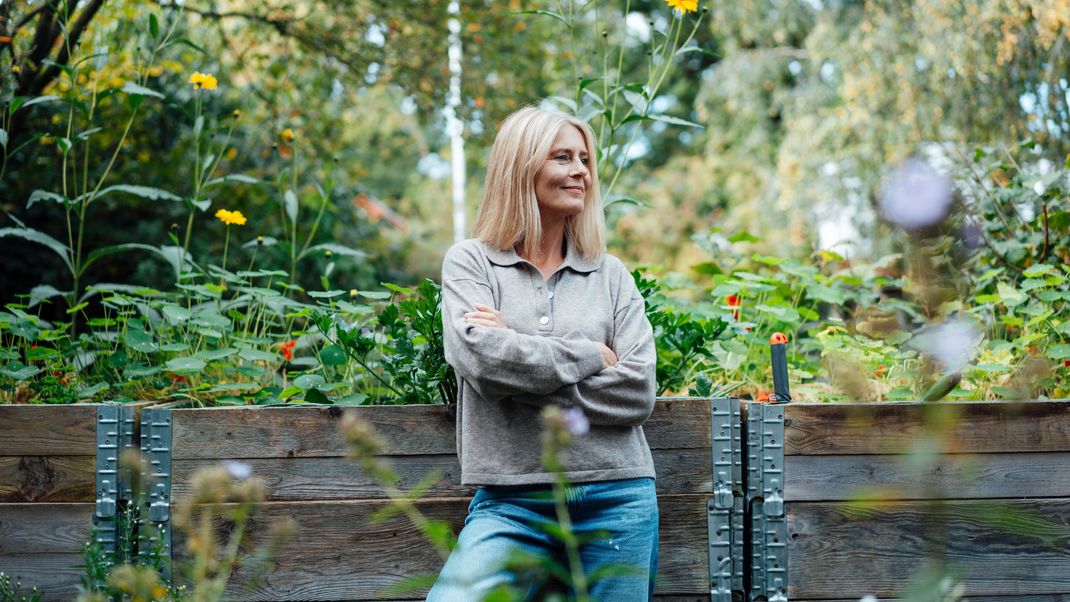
(39, 100)
(338, 249)
(316, 396)
(1038, 270)
(325, 294)
(42, 239)
(154, 25)
(44, 195)
(176, 314)
(3, 138)
(309, 381)
(189, 365)
(743, 236)
(140, 341)
(212, 355)
(353, 399)
(256, 355)
(827, 294)
(332, 355)
(676, 121)
(24, 373)
(1010, 296)
(145, 192)
(397, 289)
(234, 177)
(1059, 352)
(136, 90)
(91, 391)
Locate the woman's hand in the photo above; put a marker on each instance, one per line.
(486, 316)
(608, 357)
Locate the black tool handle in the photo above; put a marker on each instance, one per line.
(778, 351)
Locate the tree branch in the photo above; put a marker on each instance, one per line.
(74, 36)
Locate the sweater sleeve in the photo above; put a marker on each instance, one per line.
(623, 394)
(500, 362)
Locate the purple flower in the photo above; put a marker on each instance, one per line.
(239, 471)
(916, 196)
(953, 343)
(576, 421)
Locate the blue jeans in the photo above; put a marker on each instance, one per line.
(505, 520)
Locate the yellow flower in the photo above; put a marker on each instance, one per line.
(205, 81)
(16, 69)
(288, 135)
(684, 6)
(230, 218)
(231, 153)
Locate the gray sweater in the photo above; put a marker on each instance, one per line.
(546, 357)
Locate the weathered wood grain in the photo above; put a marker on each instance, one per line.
(895, 427)
(44, 528)
(39, 430)
(336, 554)
(47, 478)
(295, 479)
(839, 550)
(405, 430)
(56, 576)
(962, 476)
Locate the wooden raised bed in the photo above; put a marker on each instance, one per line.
(867, 506)
(337, 554)
(48, 483)
(875, 492)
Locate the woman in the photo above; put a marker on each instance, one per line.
(536, 313)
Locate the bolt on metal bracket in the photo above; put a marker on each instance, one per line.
(155, 522)
(724, 511)
(765, 503)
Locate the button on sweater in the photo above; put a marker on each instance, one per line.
(506, 376)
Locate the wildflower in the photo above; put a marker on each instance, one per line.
(288, 135)
(239, 471)
(236, 114)
(287, 350)
(732, 301)
(1066, 363)
(683, 6)
(16, 69)
(352, 292)
(230, 218)
(953, 343)
(916, 196)
(203, 81)
(576, 421)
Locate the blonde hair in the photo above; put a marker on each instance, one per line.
(509, 212)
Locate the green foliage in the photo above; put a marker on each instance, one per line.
(10, 591)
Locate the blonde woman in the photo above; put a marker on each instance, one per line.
(535, 312)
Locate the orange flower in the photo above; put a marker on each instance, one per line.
(733, 301)
(287, 350)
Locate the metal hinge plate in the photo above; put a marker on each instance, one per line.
(156, 505)
(724, 511)
(765, 503)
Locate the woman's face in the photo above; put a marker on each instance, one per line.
(562, 182)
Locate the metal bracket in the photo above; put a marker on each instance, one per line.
(724, 511)
(765, 503)
(115, 433)
(156, 505)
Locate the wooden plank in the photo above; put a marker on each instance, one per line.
(301, 432)
(47, 478)
(44, 528)
(336, 554)
(56, 576)
(48, 430)
(962, 476)
(1002, 548)
(295, 479)
(893, 427)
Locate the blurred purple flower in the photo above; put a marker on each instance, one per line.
(576, 421)
(952, 344)
(239, 471)
(915, 196)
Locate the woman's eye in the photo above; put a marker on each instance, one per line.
(585, 160)
(561, 157)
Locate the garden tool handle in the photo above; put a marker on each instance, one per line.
(778, 351)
